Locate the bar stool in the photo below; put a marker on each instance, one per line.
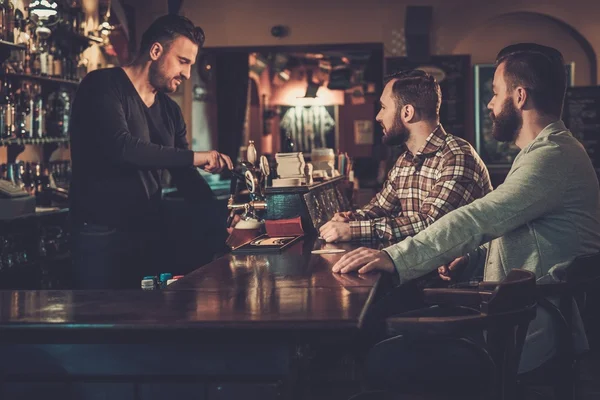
(440, 351)
(562, 372)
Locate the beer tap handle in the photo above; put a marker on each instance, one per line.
(233, 190)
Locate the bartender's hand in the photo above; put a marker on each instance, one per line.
(448, 271)
(345, 216)
(364, 260)
(212, 161)
(335, 232)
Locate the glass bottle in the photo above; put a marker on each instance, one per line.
(4, 99)
(39, 113)
(8, 21)
(9, 110)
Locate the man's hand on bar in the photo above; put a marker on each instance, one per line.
(364, 260)
(212, 161)
(335, 232)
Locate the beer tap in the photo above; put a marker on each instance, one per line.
(255, 180)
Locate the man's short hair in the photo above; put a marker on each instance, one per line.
(419, 89)
(540, 70)
(167, 28)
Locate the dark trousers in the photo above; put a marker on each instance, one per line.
(111, 258)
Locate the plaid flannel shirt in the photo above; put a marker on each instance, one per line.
(446, 173)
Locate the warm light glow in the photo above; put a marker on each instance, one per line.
(292, 94)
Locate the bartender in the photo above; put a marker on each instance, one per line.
(124, 131)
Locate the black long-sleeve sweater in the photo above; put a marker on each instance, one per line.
(119, 146)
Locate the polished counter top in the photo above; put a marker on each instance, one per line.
(294, 291)
(294, 267)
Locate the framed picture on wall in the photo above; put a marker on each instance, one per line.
(309, 127)
(494, 153)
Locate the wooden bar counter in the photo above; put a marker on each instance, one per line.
(244, 323)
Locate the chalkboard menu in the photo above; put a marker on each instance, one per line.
(582, 117)
(452, 73)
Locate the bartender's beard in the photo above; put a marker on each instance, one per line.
(159, 79)
(397, 134)
(507, 123)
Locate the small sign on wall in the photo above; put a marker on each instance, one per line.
(363, 132)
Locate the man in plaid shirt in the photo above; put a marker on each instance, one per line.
(436, 173)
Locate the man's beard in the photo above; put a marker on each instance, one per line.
(397, 135)
(158, 78)
(507, 123)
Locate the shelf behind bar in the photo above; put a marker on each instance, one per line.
(11, 46)
(22, 141)
(40, 78)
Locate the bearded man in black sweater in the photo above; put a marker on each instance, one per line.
(125, 130)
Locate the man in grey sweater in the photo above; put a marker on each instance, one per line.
(546, 213)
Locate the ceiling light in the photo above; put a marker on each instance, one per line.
(43, 9)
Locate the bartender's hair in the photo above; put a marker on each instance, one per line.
(419, 89)
(540, 70)
(167, 28)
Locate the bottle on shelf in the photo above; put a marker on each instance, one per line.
(23, 108)
(57, 68)
(39, 113)
(28, 114)
(7, 9)
(9, 109)
(2, 20)
(50, 60)
(58, 112)
(27, 63)
(42, 186)
(4, 113)
(21, 31)
(43, 55)
(27, 177)
(36, 66)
